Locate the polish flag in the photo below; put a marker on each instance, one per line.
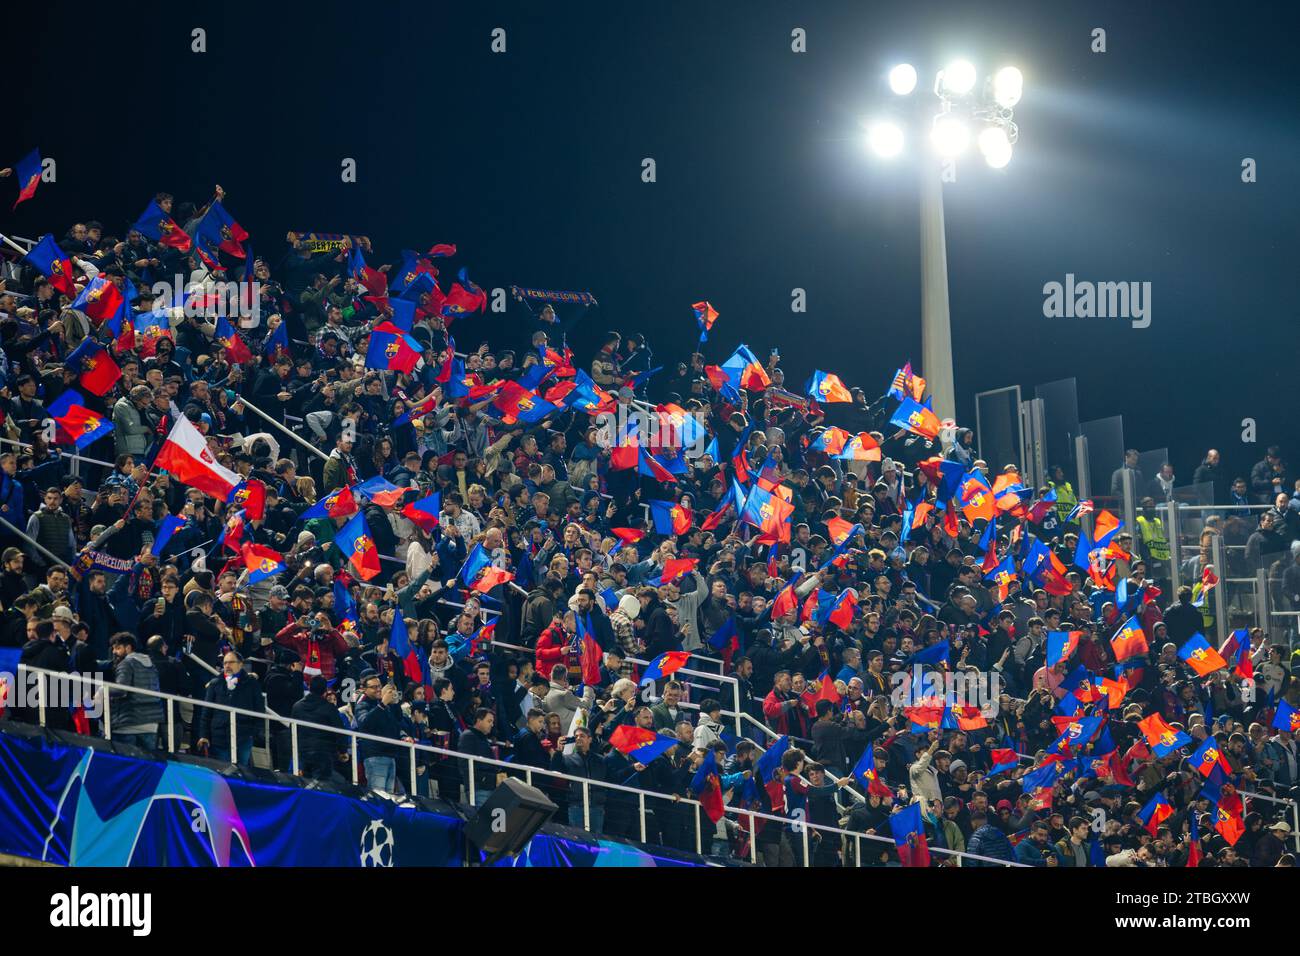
(186, 456)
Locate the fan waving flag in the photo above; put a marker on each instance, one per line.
(236, 350)
(1286, 718)
(1061, 645)
(28, 173)
(218, 232)
(1208, 756)
(674, 568)
(392, 349)
(707, 787)
(670, 518)
(1156, 812)
(167, 528)
(1003, 760)
(277, 343)
(865, 773)
(474, 564)
(1129, 641)
(262, 562)
(78, 425)
(250, 497)
(909, 836)
(358, 547)
(766, 511)
(825, 388)
(399, 642)
(161, 228)
(744, 370)
(861, 447)
(665, 664)
(490, 578)
(185, 455)
(96, 368)
(50, 261)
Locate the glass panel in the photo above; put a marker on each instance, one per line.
(998, 420)
(1105, 458)
(1061, 424)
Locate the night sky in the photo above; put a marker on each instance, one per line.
(1128, 168)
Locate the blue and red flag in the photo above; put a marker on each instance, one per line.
(399, 642)
(442, 250)
(156, 225)
(95, 367)
(100, 299)
(665, 665)
(381, 491)
(463, 297)
(673, 569)
(425, 511)
(744, 370)
(626, 536)
(77, 425)
(28, 173)
(707, 787)
(262, 562)
(1236, 651)
(831, 441)
(277, 343)
(217, 232)
(1004, 759)
(865, 773)
(1061, 645)
(250, 497)
(474, 564)
(1200, 656)
(1286, 718)
(339, 503)
(670, 518)
(1208, 756)
(1162, 738)
(235, 348)
(824, 388)
(392, 349)
(149, 328)
(1156, 812)
(766, 511)
(916, 418)
(48, 259)
(909, 836)
(639, 744)
(167, 529)
(705, 316)
(1129, 640)
(358, 547)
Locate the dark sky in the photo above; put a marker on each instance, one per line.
(1128, 168)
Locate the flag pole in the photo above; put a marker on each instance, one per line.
(14, 245)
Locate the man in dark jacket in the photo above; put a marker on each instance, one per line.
(1182, 620)
(237, 688)
(377, 714)
(318, 750)
(987, 840)
(584, 762)
(477, 742)
(135, 717)
(44, 651)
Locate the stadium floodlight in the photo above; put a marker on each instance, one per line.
(950, 135)
(885, 139)
(995, 146)
(1008, 84)
(958, 77)
(902, 79)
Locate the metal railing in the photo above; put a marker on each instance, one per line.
(798, 827)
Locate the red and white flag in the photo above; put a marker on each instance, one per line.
(186, 456)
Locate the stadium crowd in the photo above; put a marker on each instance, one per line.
(524, 553)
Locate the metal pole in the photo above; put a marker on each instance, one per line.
(753, 840)
(414, 783)
(1221, 589)
(471, 781)
(171, 728)
(1129, 505)
(698, 841)
(34, 543)
(735, 697)
(1085, 478)
(1175, 546)
(234, 739)
(586, 805)
(1263, 601)
(305, 444)
(355, 773)
(108, 716)
(293, 750)
(936, 324)
(640, 799)
(807, 860)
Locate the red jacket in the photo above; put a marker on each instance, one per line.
(552, 648)
(317, 653)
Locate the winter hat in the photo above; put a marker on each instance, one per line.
(630, 606)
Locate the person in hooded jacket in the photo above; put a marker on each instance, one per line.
(136, 717)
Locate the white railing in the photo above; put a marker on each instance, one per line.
(800, 828)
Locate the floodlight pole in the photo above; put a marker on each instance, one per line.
(936, 325)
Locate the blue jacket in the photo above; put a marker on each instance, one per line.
(988, 840)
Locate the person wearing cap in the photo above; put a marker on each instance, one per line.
(131, 432)
(1271, 844)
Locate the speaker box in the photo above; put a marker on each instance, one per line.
(507, 821)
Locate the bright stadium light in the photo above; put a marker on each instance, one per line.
(902, 79)
(885, 139)
(950, 135)
(995, 146)
(1008, 84)
(964, 112)
(959, 77)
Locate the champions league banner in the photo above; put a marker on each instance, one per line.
(80, 807)
(76, 806)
